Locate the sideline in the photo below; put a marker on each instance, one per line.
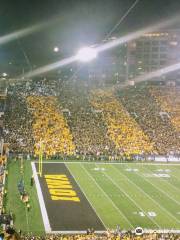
(41, 200)
(114, 163)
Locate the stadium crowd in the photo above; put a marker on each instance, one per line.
(155, 121)
(2, 175)
(168, 98)
(123, 130)
(49, 127)
(3, 153)
(86, 124)
(74, 119)
(109, 235)
(18, 121)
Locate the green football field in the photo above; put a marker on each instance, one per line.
(124, 194)
(132, 195)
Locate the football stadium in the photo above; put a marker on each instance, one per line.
(90, 141)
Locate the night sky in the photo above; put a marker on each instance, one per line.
(76, 23)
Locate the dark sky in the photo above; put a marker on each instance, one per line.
(78, 22)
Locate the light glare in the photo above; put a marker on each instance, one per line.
(56, 49)
(86, 54)
(4, 74)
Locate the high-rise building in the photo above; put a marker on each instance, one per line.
(153, 51)
(148, 53)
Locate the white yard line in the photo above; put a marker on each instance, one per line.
(41, 200)
(163, 209)
(114, 205)
(159, 189)
(178, 178)
(131, 199)
(86, 196)
(162, 179)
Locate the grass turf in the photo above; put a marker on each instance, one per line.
(26, 221)
(128, 195)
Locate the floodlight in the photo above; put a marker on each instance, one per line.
(86, 54)
(56, 49)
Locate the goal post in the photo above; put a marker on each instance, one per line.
(40, 165)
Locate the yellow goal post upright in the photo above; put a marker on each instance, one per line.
(40, 165)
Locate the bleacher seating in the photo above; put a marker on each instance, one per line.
(141, 119)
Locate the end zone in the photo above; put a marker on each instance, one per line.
(64, 207)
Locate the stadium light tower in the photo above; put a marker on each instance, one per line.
(4, 74)
(56, 49)
(86, 54)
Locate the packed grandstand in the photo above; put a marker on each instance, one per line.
(77, 121)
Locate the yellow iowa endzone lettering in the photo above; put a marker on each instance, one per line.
(63, 186)
(72, 199)
(56, 182)
(60, 177)
(62, 192)
(60, 188)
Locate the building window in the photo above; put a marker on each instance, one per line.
(163, 56)
(154, 55)
(155, 49)
(162, 62)
(164, 42)
(163, 49)
(155, 42)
